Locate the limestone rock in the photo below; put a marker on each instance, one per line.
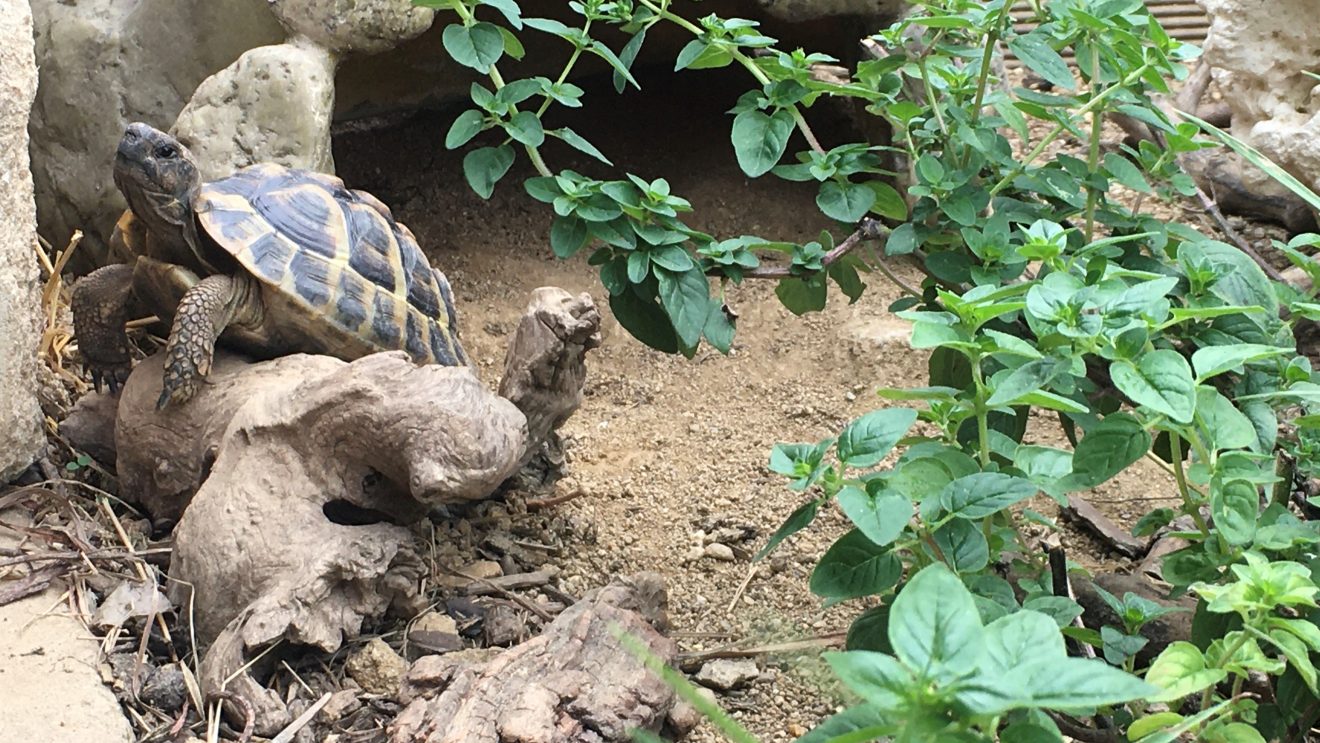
(273, 104)
(49, 684)
(725, 674)
(376, 668)
(20, 307)
(104, 63)
(353, 25)
(1259, 60)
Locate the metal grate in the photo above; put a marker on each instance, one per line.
(1183, 20)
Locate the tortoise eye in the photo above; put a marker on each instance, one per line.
(167, 152)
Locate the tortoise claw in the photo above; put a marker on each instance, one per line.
(112, 375)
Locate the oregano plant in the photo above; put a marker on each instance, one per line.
(1043, 292)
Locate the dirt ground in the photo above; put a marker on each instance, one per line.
(667, 451)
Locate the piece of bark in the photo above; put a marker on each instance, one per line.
(1163, 544)
(574, 682)
(1113, 535)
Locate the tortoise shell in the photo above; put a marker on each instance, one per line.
(336, 253)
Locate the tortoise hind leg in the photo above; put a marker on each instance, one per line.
(100, 304)
(203, 313)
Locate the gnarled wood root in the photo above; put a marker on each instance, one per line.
(294, 480)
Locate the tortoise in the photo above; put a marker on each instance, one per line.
(270, 261)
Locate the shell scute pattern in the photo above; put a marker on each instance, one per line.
(337, 250)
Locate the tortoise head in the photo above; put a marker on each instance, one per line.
(159, 178)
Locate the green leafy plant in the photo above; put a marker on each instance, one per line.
(1043, 293)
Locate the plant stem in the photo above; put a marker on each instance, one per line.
(983, 77)
(743, 60)
(1193, 508)
(930, 96)
(498, 80)
(1054, 134)
(982, 413)
(1093, 156)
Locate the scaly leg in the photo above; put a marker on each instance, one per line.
(203, 313)
(100, 305)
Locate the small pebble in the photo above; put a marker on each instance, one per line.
(721, 552)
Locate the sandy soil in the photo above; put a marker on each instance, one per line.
(669, 451)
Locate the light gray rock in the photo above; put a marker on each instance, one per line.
(20, 306)
(1259, 60)
(273, 104)
(50, 690)
(353, 25)
(104, 63)
(725, 674)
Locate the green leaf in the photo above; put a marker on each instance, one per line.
(719, 328)
(1035, 52)
(567, 236)
(1214, 360)
(479, 46)
(801, 296)
(1181, 670)
(934, 627)
(512, 46)
(796, 522)
(888, 201)
(878, 678)
(510, 10)
(868, 439)
(759, 141)
(1151, 724)
(1107, 449)
(644, 320)
(627, 56)
(484, 167)
(1072, 683)
(1298, 656)
(846, 202)
(672, 258)
(1235, 506)
(1161, 380)
(1025, 379)
(700, 54)
(981, 494)
(526, 128)
(855, 566)
(574, 140)
(686, 297)
(465, 127)
(1126, 173)
(861, 723)
(882, 517)
(1060, 608)
(1018, 638)
(604, 52)
(1223, 424)
(962, 545)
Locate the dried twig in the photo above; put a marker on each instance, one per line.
(286, 735)
(834, 639)
(249, 715)
(505, 583)
(538, 504)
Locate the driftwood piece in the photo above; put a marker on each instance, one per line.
(574, 682)
(300, 474)
(543, 369)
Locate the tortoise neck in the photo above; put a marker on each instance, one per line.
(168, 217)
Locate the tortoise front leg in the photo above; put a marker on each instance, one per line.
(203, 313)
(100, 304)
